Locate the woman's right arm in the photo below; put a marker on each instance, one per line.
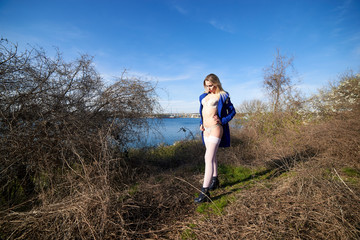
(230, 111)
(200, 110)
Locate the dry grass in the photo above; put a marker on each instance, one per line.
(103, 200)
(309, 196)
(303, 206)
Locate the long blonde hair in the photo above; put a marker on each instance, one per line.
(215, 81)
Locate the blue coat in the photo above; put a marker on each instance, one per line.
(226, 112)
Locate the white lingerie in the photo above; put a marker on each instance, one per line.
(210, 102)
(209, 129)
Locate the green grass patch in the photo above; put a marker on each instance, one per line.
(288, 174)
(133, 189)
(165, 156)
(232, 179)
(232, 175)
(352, 175)
(188, 233)
(217, 206)
(351, 172)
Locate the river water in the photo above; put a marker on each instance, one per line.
(167, 131)
(170, 130)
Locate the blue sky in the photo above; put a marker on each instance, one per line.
(176, 43)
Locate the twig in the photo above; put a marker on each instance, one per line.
(344, 183)
(198, 191)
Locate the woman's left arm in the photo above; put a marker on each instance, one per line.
(230, 111)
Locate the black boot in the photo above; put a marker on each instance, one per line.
(204, 196)
(214, 184)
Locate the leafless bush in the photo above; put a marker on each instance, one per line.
(252, 107)
(338, 138)
(80, 206)
(51, 115)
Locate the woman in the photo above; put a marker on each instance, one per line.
(216, 110)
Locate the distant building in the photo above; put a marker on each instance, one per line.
(195, 115)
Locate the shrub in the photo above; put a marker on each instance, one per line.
(340, 96)
(52, 114)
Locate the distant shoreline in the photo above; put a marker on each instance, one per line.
(176, 115)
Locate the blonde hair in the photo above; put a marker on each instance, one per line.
(215, 81)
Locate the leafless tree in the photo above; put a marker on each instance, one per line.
(252, 106)
(278, 82)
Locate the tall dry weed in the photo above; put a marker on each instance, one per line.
(81, 205)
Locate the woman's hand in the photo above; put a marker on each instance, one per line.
(217, 119)
(202, 128)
